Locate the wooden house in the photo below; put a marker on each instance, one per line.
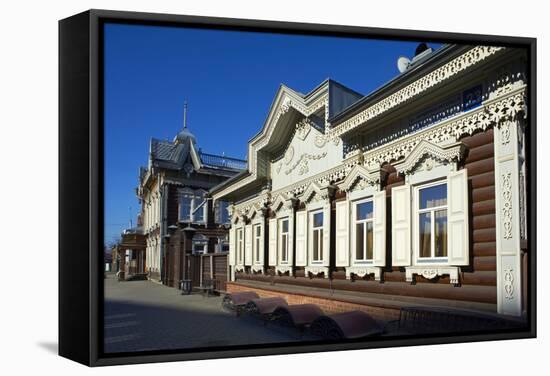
(411, 195)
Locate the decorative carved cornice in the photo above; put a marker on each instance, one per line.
(432, 79)
(425, 149)
(492, 114)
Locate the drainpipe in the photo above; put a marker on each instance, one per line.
(162, 229)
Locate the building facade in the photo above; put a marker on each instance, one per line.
(179, 218)
(413, 194)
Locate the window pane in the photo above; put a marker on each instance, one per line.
(369, 240)
(224, 215)
(359, 241)
(258, 230)
(185, 208)
(315, 246)
(283, 253)
(440, 233)
(364, 210)
(285, 226)
(318, 219)
(433, 196)
(320, 255)
(425, 235)
(199, 214)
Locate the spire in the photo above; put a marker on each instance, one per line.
(185, 115)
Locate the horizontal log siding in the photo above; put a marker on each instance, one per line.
(478, 280)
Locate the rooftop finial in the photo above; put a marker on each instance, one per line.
(184, 114)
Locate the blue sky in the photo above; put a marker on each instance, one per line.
(229, 79)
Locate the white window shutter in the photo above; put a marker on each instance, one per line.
(342, 233)
(301, 237)
(457, 195)
(326, 235)
(401, 225)
(379, 233)
(273, 242)
(290, 238)
(232, 248)
(248, 245)
(261, 249)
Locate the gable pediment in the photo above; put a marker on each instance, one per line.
(360, 177)
(430, 154)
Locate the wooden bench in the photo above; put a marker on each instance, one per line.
(263, 308)
(299, 316)
(346, 325)
(237, 301)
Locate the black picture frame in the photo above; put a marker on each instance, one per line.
(81, 183)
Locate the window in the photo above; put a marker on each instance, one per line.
(364, 224)
(199, 204)
(240, 245)
(223, 214)
(199, 247)
(283, 239)
(185, 207)
(431, 220)
(257, 240)
(317, 236)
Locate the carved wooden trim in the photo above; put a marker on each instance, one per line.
(362, 271)
(446, 154)
(258, 269)
(359, 175)
(430, 272)
(316, 270)
(434, 78)
(282, 269)
(239, 268)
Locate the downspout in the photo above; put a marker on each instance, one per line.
(162, 229)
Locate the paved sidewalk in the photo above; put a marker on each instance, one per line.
(143, 315)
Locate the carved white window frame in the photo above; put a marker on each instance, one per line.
(312, 210)
(280, 234)
(415, 208)
(353, 230)
(255, 239)
(239, 235)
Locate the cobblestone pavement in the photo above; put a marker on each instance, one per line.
(143, 315)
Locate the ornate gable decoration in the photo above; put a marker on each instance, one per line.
(302, 128)
(315, 192)
(359, 178)
(427, 155)
(255, 210)
(279, 202)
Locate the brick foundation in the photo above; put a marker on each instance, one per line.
(327, 305)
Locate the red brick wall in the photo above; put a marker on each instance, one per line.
(329, 306)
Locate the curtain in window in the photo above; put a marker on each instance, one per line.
(425, 235)
(441, 233)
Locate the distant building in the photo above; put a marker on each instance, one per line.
(173, 191)
(414, 194)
